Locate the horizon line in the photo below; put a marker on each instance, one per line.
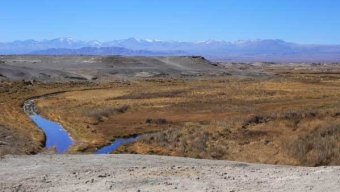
(160, 40)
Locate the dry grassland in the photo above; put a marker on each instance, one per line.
(288, 119)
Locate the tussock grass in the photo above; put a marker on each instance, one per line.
(319, 147)
(99, 113)
(225, 139)
(232, 118)
(190, 142)
(168, 94)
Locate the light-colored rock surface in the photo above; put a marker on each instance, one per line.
(156, 173)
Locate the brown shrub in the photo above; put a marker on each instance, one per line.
(169, 94)
(319, 147)
(159, 121)
(99, 112)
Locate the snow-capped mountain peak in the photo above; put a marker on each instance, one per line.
(153, 40)
(95, 43)
(245, 41)
(66, 39)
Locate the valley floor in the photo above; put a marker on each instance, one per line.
(269, 113)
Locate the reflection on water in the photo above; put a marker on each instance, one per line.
(114, 145)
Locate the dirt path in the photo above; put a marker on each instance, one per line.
(156, 173)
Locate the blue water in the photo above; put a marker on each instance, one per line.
(57, 137)
(114, 145)
(55, 134)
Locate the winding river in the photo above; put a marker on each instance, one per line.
(57, 136)
(114, 145)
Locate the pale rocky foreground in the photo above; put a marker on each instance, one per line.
(156, 173)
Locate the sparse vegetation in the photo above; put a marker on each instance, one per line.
(225, 140)
(98, 113)
(168, 94)
(319, 147)
(281, 119)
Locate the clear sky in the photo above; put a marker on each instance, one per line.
(300, 21)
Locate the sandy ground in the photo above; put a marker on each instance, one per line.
(156, 173)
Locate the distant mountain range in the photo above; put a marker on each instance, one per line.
(105, 51)
(256, 49)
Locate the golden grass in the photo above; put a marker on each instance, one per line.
(280, 120)
(318, 147)
(245, 119)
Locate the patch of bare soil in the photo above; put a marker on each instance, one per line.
(156, 173)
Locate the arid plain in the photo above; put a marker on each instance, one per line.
(268, 113)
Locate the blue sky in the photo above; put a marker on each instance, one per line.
(300, 21)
